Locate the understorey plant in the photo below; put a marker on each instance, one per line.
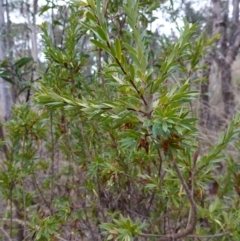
(133, 132)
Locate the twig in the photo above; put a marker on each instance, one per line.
(130, 80)
(62, 239)
(100, 66)
(4, 146)
(189, 236)
(5, 234)
(23, 184)
(190, 226)
(41, 193)
(52, 157)
(159, 175)
(209, 236)
(147, 217)
(86, 149)
(192, 190)
(106, 8)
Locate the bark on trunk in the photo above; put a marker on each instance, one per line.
(5, 87)
(228, 48)
(31, 20)
(227, 90)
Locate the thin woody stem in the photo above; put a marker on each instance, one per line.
(190, 236)
(5, 234)
(191, 225)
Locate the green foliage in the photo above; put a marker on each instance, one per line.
(122, 229)
(17, 73)
(119, 135)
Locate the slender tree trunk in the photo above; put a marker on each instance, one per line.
(205, 109)
(33, 27)
(228, 49)
(227, 90)
(31, 20)
(224, 55)
(10, 47)
(5, 87)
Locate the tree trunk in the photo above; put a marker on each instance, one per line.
(228, 49)
(31, 20)
(5, 87)
(227, 90)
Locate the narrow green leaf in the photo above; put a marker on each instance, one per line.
(165, 126)
(100, 45)
(101, 33)
(23, 61)
(91, 17)
(118, 49)
(92, 4)
(44, 9)
(132, 71)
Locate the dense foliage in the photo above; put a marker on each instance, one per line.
(109, 148)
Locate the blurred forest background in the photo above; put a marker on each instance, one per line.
(54, 182)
